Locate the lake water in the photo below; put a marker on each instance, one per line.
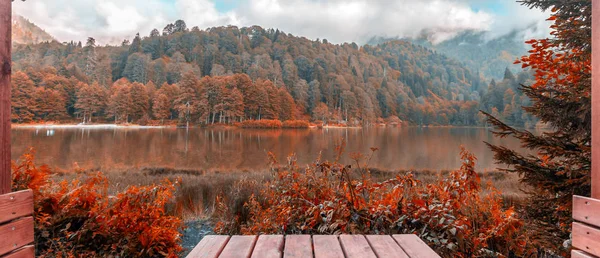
(246, 149)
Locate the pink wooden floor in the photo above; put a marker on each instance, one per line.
(267, 246)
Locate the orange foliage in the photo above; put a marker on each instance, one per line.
(79, 218)
(455, 216)
(296, 124)
(264, 123)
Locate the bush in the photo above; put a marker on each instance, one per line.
(264, 123)
(79, 218)
(296, 124)
(454, 215)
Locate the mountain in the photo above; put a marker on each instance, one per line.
(26, 32)
(477, 51)
(272, 71)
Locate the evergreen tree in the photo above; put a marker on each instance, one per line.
(560, 98)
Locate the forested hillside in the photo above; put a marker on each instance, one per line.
(477, 50)
(25, 32)
(255, 73)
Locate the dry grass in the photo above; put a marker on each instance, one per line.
(198, 189)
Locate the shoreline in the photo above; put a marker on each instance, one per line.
(90, 126)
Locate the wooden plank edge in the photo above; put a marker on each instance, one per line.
(15, 205)
(23, 252)
(586, 238)
(22, 231)
(586, 210)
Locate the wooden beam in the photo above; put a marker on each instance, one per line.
(595, 100)
(5, 69)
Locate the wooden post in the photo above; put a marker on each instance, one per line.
(595, 99)
(5, 70)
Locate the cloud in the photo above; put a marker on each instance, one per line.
(111, 21)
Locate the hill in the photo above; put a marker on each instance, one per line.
(478, 51)
(26, 32)
(341, 83)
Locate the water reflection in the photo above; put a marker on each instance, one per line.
(221, 149)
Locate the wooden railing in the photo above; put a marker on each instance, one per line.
(16, 224)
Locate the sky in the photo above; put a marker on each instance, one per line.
(338, 21)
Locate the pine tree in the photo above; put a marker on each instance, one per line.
(560, 98)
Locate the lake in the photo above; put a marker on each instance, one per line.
(246, 149)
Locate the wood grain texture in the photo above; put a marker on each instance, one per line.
(209, 247)
(27, 251)
(356, 246)
(586, 238)
(5, 70)
(327, 247)
(298, 246)
(16, 234)
(268, 246)
(414, 247)
(384, 246)
(16, 204)
(586, 210)
(580, 254)
(239, 247)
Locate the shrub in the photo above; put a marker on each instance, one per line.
(79, 218)
(454, 215)
(296, 124)
(264, 123)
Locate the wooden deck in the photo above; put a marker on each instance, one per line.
(295, 246)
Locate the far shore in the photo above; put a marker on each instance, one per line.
(92, 126)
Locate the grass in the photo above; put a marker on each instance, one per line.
(198, 189)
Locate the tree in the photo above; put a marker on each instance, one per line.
(180, 26)
(321, 112)
(140, 101)
(560, 98)
(161, 107)
(91, 100)
(136, 69)
(90, 58)
(188, 101)
(22, 91)
(49, 104)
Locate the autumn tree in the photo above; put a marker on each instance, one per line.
(560, 98)
(91, 101)
(22, 91)
(161, 107)
(49, 104)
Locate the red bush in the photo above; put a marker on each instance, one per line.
(297, 124)
(455, 216)
(79, 218)
(264, 123)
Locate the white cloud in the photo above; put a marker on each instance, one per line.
(111, 21)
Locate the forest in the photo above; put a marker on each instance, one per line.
(229, 74)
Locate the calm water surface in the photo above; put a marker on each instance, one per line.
(246, 149)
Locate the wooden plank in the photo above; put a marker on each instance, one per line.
(16, 234)
(586, 210)
(298, 246)
(595, 100)
(580, 254)
(356, 246)
(384, 246)
(15, 205)
(586, 238)
(268, 246)
(238, 247)
(5, 70)
(27, 251)
(209, 247)
(327, 247)
(414, 247)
